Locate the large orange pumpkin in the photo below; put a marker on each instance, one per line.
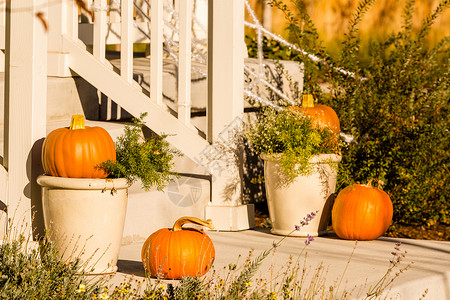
(75, 151)
(177, 252)
(322, 115)
(361, 212)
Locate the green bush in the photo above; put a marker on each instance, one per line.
(396, 108)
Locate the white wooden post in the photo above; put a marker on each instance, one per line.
(126, 53)
(63, 20)
(99, 41)
(99, 50)
(156, 51)
(25, 106)
(184, 66)
(225, 109)
(225, 64)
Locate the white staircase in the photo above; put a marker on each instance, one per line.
(202, 185)
(65, 71)
(129, 96)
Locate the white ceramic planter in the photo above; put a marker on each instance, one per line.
(85, 219)
(290, 202)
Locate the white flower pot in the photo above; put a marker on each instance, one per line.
(290, 201)
(85, 219)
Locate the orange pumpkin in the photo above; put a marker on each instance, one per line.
(177, 252)
(322, 115)
(75, 151)
(361, 212)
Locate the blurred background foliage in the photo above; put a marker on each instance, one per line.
(331, 18)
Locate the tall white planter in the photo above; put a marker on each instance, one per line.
(290, 201)
(85, 219)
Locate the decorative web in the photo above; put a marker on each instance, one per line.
(254, 77)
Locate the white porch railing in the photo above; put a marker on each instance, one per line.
(67, 54)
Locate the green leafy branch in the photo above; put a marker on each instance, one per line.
(138, 157)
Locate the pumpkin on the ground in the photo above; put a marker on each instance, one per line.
(361, 212)
(75, 151)
(172, 253)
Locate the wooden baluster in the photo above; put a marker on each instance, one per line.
(100, 8)
(156, 54)
(184, 62)
(62, 19)
(126, 48)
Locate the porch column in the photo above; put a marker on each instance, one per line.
(226, 52)
(25, 108)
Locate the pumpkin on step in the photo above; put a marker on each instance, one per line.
(361, 212)
(75, 151)
(177, 252)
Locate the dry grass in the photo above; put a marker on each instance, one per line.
(332, 17)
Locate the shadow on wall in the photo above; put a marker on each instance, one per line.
(253, 180)
(33, 191)
(96, 105)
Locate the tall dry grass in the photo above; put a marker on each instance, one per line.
(331, 18)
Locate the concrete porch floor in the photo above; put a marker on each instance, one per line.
(430, 269)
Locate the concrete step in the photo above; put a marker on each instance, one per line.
(65, 97)
(366, 266)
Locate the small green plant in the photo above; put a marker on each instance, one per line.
(291, 135)
(137, 157)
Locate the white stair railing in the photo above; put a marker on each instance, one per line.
(67, 55)
(114, 23)
(66, 45)
(226, 50)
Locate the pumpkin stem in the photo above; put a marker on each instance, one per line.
(369, 183)
(77, 122)
(308, 100)
(183, 220)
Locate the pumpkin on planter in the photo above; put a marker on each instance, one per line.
(75, 151)
(177, 252)
(322, 115)
(361, 212)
